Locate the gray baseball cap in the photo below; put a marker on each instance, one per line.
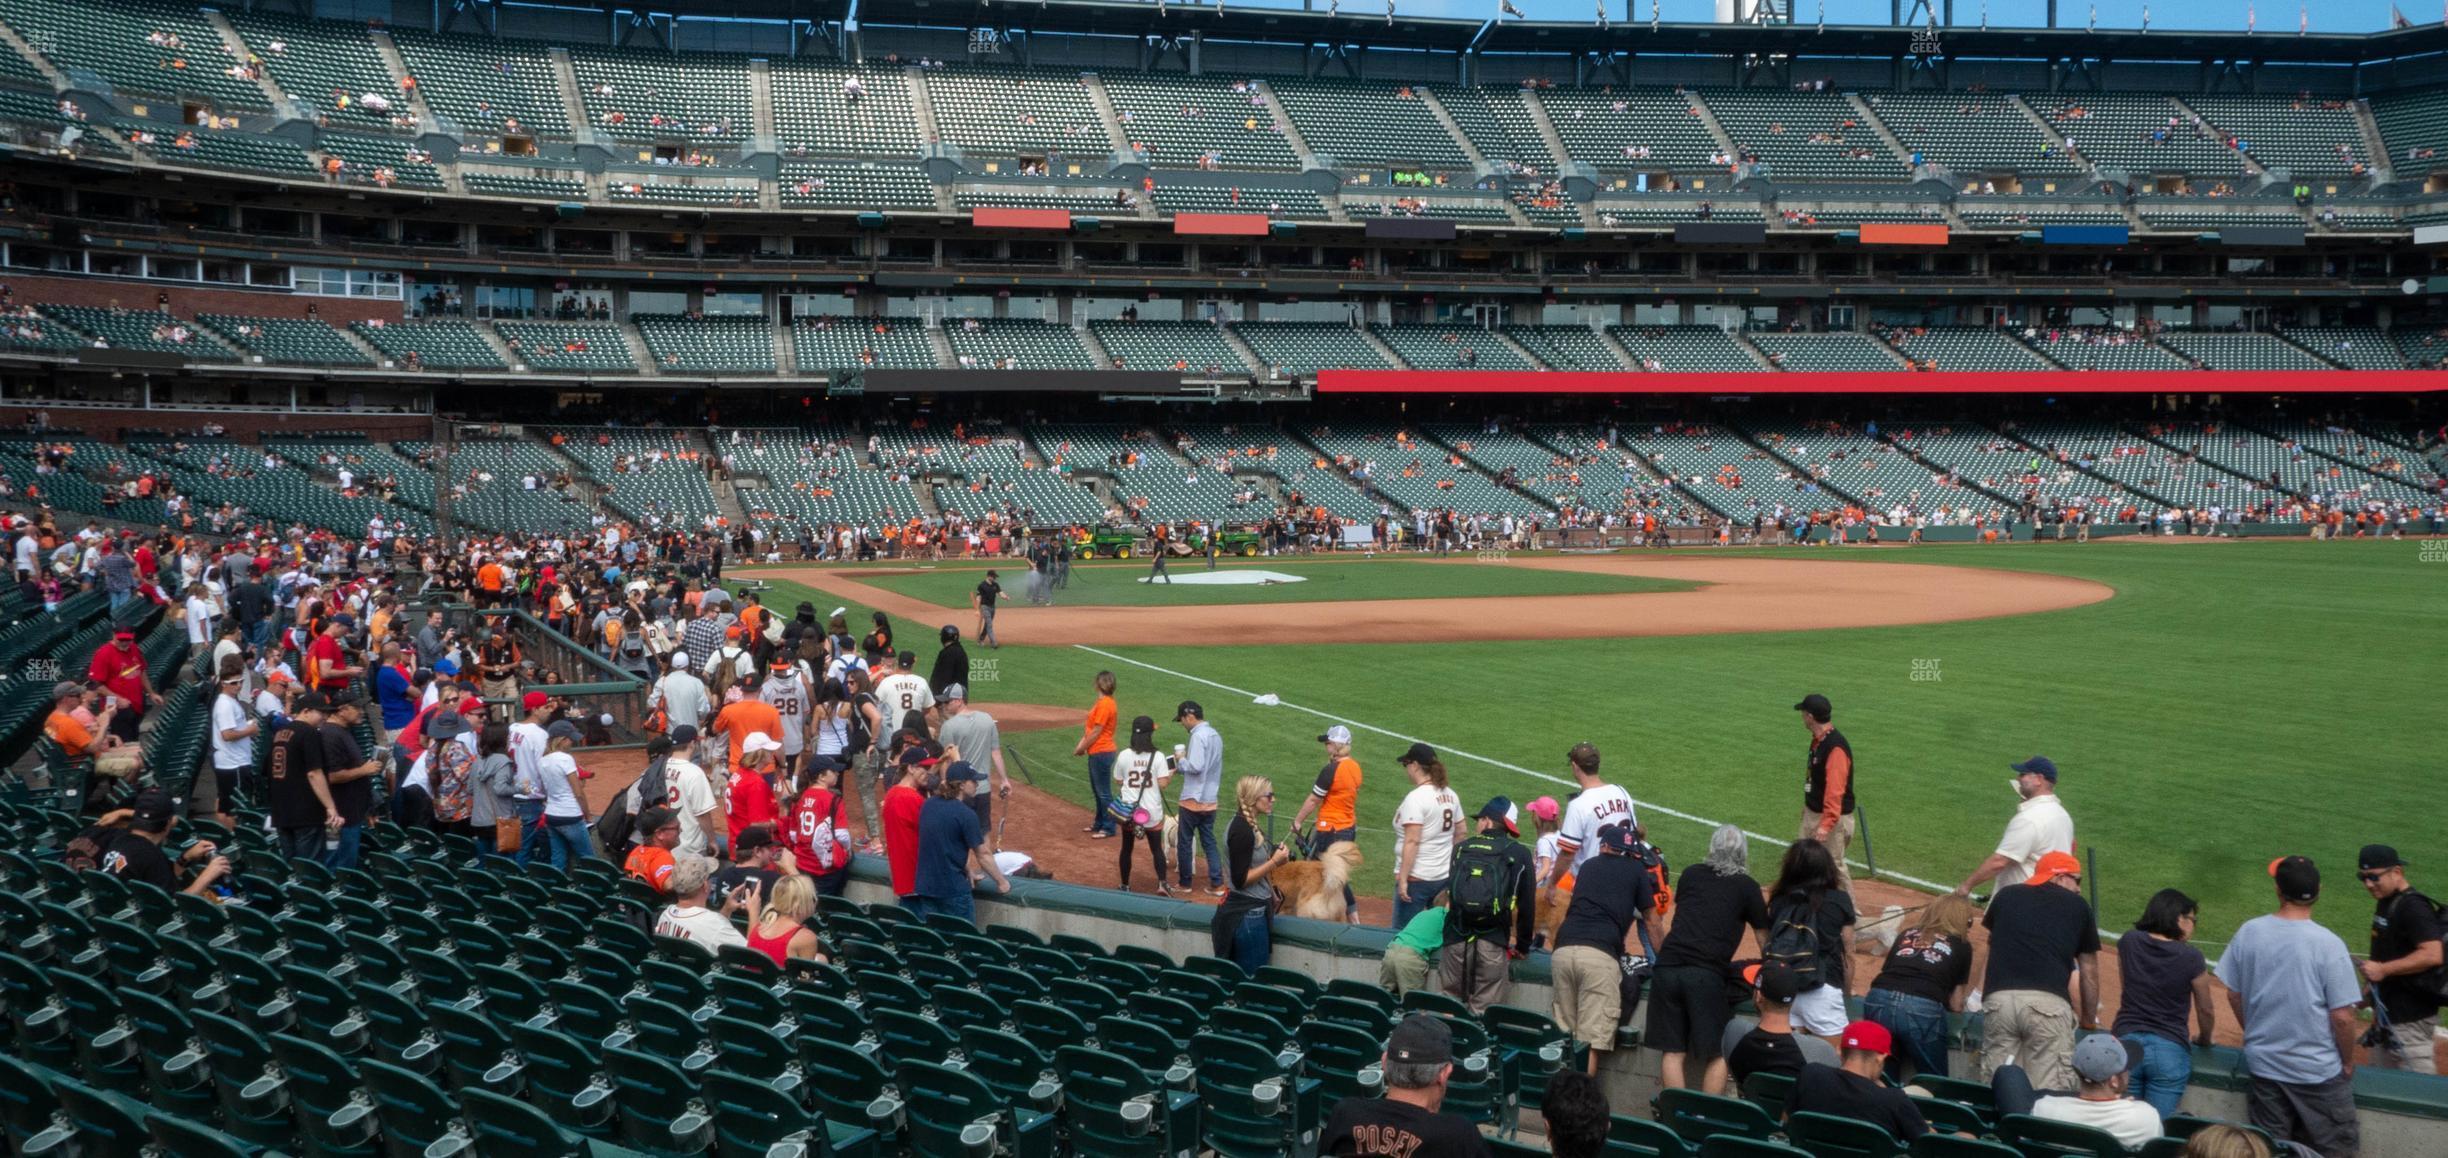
(2099, 1057)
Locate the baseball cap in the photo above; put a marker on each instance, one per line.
(311, 701)
(731, 632)
(1545, 808)
(684, 734)
(1874, 1038)
(66, 688)
(1501, 810)
(1819, 708)
(963, 771)
(752, 838)
(680, 660)
(1420, 1039)
(2053, 865)
(2099, 1057)
(759, 742)
(2375, 857)
(917, 758)
(1616, 838)
(533, 700)
(563, 730)
(955, 692)
(1418, 753)
(124, 633)
(446, 667)
(2040, 766)
(948, 634)
(1189, 708)
(1337, 734)
(278, 678)
(1776, 983)
(152, 806)
(2298, 878)
(446, 725)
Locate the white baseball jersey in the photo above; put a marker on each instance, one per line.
(900, 695)
(1439, 814)
(1592, 812)
(789, 695)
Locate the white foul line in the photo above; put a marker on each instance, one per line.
(1532, 773)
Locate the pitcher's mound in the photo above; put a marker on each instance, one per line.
(1231, 578)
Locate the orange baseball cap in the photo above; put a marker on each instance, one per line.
(2054, 865)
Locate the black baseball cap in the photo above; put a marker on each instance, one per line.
(1420, 1039)
(1418, 753)
(684, 734)
(2298, 878)
(752, 838)
(152, 806)
(1818, 707)
(2375, 857)
(1189, 708)
(1776, 982)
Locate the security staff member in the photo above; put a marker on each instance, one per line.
(1827, 791)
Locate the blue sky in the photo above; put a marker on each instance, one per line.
(2273, 17)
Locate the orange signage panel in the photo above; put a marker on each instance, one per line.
(1894, 233)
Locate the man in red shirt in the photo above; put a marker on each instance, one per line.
(900, 820)
(119, 666)
(327, 662)
(752, 797)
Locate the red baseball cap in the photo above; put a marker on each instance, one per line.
(1869, 1036)
(533, 700)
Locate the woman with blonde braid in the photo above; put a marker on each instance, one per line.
(1243, 923)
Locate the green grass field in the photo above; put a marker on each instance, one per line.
(2233, 703)
(1118, 584)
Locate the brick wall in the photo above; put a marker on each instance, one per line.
(188, 301)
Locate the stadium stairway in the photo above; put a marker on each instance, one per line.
(565, 79)
(2252, 166)
(1519, 351)
(1615, 346)
(1862, 110)
(1545, 125)
(638, 352)
(2374, 145)
(1708, 119)
(922, 111)
(1097, 352)
(49, 71)
(2212, 456)
(2360, 469)
(1242, 347)
(941, 344)
(761, 111)
(238, 50)
(1291, 132)
(1776, 453)
(1383, 351)
(2048, 130)
(388, 49)
(1102, 102)
(1436, 108)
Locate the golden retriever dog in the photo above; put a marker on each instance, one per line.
(1551, 905)
(1314, 888)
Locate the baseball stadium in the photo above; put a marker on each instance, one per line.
(882, 578)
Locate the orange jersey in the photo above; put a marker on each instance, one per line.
(1100, 725)
(1338, 790)
(737, 720)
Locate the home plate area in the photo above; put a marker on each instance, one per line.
(1231, 578)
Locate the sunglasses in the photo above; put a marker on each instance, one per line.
(1267, 796)
(2369, 878)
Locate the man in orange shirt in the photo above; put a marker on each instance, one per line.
(77, 741)
(651, 861)
(1097, 744)
(748, 714)
(489, 581)
(1335, 798)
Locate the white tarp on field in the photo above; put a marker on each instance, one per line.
(1231, 577)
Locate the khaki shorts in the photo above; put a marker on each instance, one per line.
(119, 763)
(1402, 970)
(1588, 994)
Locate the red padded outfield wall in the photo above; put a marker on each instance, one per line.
(1885, 382)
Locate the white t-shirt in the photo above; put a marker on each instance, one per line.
(685, 790)
(2040, 826)
(702, 926)
(560, 773)
(1544, 852)
(199, 620)
(526, 748)
(1139, 779)
(2133, 1123)
(900, 695)
(1592, 812)
(1437, 812)
(229, 712)
(684, 698)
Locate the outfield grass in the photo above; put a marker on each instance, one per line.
(2235, 702)
(1322, 580)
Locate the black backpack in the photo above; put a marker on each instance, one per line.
(618, 826)
(1486, 884)
(1793, 942)
(859, 739)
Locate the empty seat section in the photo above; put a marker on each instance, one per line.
(326, 67)
(1856, 464)
(2144, 467)
(1965, 348)
(222, 149)
(1419, 474)
(654, 476)
(1395, 203)
(1147, 479)
(2308, 136)
(1450, 347)
(1186, 347)
(2415, 126)
(1086, 202)
(1633, 128)
(1499, 124)
(368, 158)
(1971, 133)
(299, 341)
(847, 343)
(1967, 456)
(150, 331)
(1566, 347)
(857, 186)
(2236, 350)
(697, 97)
(1803, 134)
(1002, 113)
(1181, 121)
(714, 345)
(1536, 467)
(438, 345)
(1016, 344)
(138, 46)
(2140, 133)
(2106, 348)
(1365, 124)
(1618, 213)
(523, 185)
(2354, 347)
(1307, 347)
(817, 110)
(568, 348)
(1686, 348)
(486, 86)
(2002, 213)
(1727, 474)
(1828, 351)
(1281, 204)
(716, 194)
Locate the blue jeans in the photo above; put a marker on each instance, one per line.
(567, 836)
(1100, 786)
(1201, 824)
(344, 856)
(962, 906)
(531, 836)
(1254, 943)
(2165, 1070)
(1919, 1025)
(1418, 899)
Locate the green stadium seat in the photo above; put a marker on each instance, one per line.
(1695, 1116)
(1346, 1060)
(565, 1077)
(322, 1088)
(954, 1112)
(1112, 1107)
(2042, 1138)
(253, 1105)
(1642, 1138)
(1828, 1136)
(1739, 1146)
(1937, 1145)
(183, 1136)
(850, 1086)
(1020, 1074)
(1254, 1103)
(494, 1124)
(1946, 1114)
